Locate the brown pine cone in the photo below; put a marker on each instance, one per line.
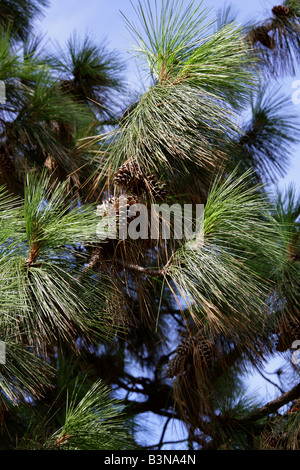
(260, 34)
(184, 351)
(129, 176)
(197, 346)
(281, 10)
(206, 351)
(119, 207)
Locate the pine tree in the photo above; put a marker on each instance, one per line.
(171, 324)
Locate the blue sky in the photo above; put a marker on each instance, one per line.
(102, 20)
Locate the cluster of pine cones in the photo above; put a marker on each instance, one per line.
(198, 345)
(260, 33)
(119, 207)
(131, 178)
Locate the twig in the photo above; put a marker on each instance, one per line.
(159, 445)
(165, 443)
(270, 381)
(141, 269)
(94, 261)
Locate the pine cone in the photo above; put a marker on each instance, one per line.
(155, 188)
(201, 347)
(129, 176)
(124, 204)
(260, 34)
(118, 205)
(106, 207)
(295, 408)
(50, 163)
(184, 352)
(281, 10)
(205, 351)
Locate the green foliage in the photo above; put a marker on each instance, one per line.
(45, 299)
(95, 422)
(19, 16)
(283, 432)
(180, 124)
(220, 274)
(92, 420)
(268, 136)
(80, 312)
(24, 374)
(90, 73)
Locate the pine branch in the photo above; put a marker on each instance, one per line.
(94, 261)
(272, 406)
(96, 258)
